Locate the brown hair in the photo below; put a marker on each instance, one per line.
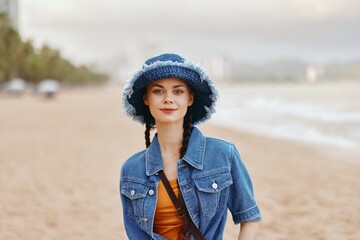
(148, 125)
(187, 125)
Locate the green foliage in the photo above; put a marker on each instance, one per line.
(20, 59)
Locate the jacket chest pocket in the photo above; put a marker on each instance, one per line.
(212, 191)
(136, 195)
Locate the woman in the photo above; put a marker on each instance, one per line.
(181, 185)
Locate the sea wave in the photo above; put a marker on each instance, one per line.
(325, 114)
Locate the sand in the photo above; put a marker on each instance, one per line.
(60, 162)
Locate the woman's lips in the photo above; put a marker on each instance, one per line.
(168, 110)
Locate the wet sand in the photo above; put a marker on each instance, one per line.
(60, 162)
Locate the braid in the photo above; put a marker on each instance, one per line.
(149, 126)
(187, 132)
(147, 134)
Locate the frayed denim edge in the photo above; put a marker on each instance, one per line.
(130, 111)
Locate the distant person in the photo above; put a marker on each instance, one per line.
(182, 184)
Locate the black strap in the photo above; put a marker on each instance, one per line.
(189, 227)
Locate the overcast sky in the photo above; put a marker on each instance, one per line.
(89, 31)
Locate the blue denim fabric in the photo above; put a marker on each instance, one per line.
(211, 178)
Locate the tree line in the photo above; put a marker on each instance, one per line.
(21, 59)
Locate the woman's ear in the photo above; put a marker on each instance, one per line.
(146, 102)
(191, 99)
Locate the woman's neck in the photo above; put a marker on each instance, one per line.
(170, 137)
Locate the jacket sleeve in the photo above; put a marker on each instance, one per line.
(241, 201)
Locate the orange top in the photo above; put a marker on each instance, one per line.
(167, 223)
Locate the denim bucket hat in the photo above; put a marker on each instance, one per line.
(167, 66)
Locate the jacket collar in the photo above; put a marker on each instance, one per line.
(194, 154)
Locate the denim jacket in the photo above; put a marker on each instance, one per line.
(211, 179)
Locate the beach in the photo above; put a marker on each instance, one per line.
(60, 161)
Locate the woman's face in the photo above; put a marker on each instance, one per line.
(168, 100)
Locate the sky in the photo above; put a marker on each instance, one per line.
(92, 31)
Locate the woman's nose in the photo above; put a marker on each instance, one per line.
(168, 99)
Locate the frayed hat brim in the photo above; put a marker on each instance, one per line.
(202, 84)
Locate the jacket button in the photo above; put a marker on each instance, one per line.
(132, 193)
(151, 192)
(214, 185)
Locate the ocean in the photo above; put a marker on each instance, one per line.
(321, 113)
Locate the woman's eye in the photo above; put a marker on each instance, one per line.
(179, 91)
(158, 91)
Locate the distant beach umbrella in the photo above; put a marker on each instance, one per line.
(48, 87)
(15, 86)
